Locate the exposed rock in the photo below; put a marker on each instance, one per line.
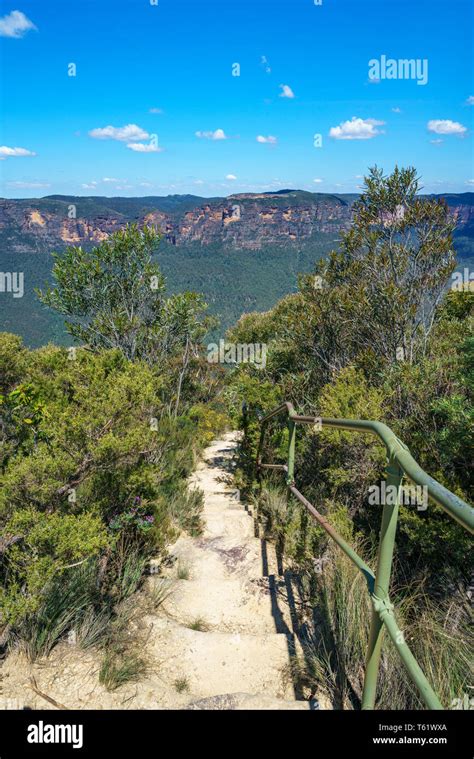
(239, 221)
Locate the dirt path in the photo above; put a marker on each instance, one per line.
(221, 640)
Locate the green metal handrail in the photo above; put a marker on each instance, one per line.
(400, 463)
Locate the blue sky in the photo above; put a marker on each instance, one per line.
(154, 108)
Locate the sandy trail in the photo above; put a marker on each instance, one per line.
(223, 638)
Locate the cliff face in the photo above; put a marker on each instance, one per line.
(24, 228)
(248, 221)
(238, 221)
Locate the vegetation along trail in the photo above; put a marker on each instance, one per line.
(221, 638)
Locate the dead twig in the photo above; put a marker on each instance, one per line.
(34, 687)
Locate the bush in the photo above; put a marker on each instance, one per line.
(100, 473)
(64, 603)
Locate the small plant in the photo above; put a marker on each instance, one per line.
(93, 628)
(128, 564)
(181, 684)
(119, 668)
(182, 571)
(65, 601)
(199, 624)
(185, 510)
(159, 592)
(133, 517)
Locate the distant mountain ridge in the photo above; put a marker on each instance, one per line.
(244, 220)
(243, 252)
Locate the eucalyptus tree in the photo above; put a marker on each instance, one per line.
(114, 296)
(379, 292)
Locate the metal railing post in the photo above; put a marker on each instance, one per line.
(400, 463)
(290, 476)
(382, 579)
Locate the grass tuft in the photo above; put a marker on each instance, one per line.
(199, 624)
(185, 510)
(182, 571)
(181, 684)
(119, 668)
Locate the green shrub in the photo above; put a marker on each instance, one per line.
(100, 473)
(119, 668)
(64, 603)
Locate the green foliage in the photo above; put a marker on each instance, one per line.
(185, 510)
(97, 446)
(94, 467)
(64, 603)
(21, 414)
(181, 684)
(285, 522)
(158, 592)
(12, 358)
(47, 544)
(210, 421)
(182, 571)
(334, 350)
(249, 396)
(119, 668)
(439, 636)
(198, 625)
(348, 461)
(378, 293)
(114, 297)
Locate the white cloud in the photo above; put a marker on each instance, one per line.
(146, 184)
(356, 129)
(396, 110)
(437, 141)
(140, 147)
(6, 152)
(446, 126)
(265, 64)
(156, 110)
(230, 176)
(16, 24)
(110, 179)
(470, 100)
(218, 134)
(128, 133)
(317, 181)
(287, 92)
(198, 181)
(270, 139)
(28, 185)
(470, 181)
(89, 186)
